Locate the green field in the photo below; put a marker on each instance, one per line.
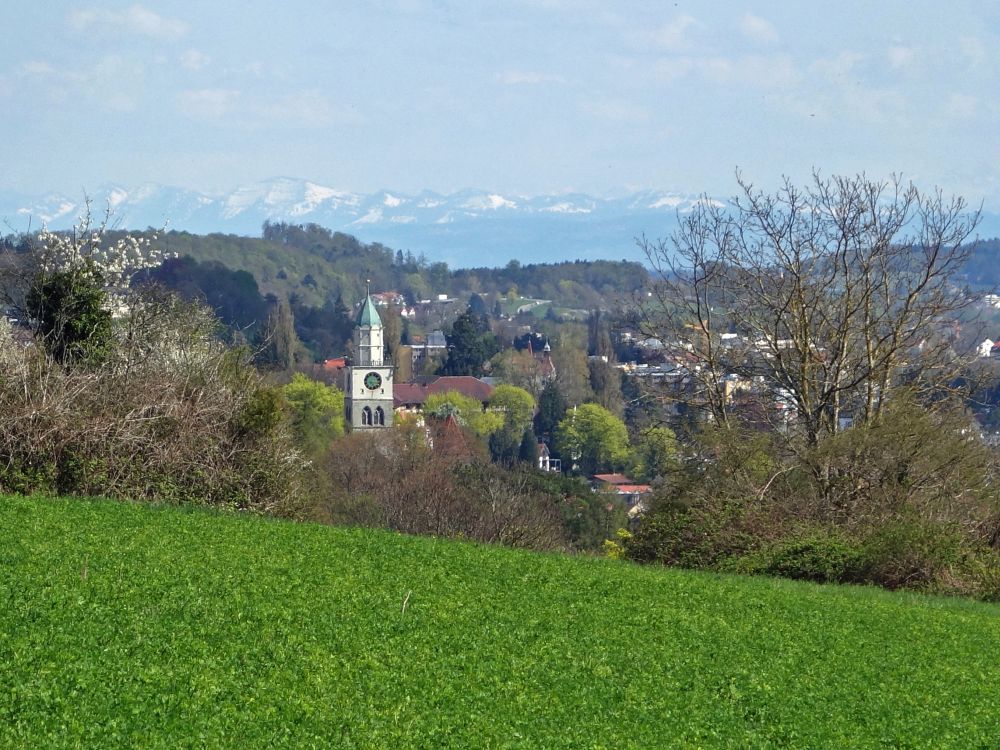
(125, 625)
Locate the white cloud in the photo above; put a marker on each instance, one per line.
(113, 82)
(527, 78)
(135, 19)
(673, 35)
(208, 104)
(974, 49)
(617, 111)
(309, 108)
(757, 29)
(192, 59)
(37, 68)
(900, 57)
(759, 71)
(837, 69)
(962, 106)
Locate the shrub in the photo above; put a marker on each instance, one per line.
(821, 555)
(172, 415)
(395, 480)
(912, 552)
(910, 501)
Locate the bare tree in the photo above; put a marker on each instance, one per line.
(821, 299)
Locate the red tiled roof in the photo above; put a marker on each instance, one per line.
(404, 394)
(338, 363)
(615, 479)
(633, 489)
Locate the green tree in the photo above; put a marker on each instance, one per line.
(465, 409)
(392, 331)
(516, 407)
(70, 310)
(470, 344)
(477, 306)
(528, 452)
(515, 404)
(598, 336)
(593, 438)
(317, 412)
(551, 410)
(504, 446)
(656, 454)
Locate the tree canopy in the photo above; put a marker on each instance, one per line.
(317, 412)
(465, 409)
(593, 438)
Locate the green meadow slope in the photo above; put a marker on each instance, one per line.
(125, 625)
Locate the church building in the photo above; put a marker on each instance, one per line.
(368, 395)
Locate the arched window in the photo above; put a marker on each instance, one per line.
(379, 416)
(366, 416)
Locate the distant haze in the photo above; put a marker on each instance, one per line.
(465, 229)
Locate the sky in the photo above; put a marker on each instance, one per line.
(518, 97)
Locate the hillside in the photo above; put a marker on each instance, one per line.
(125, 625)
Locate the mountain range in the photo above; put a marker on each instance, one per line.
(468, 228)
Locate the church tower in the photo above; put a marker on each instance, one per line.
(368, 398)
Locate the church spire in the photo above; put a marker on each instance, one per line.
(368, 315)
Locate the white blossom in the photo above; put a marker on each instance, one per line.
(83, 249)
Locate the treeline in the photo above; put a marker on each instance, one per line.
(981, 270)
(314, 265)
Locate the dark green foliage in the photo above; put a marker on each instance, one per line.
(477, 306)
(324, 330)
(504, 447)
(130, 626)
(70, 311)
(316, 264)
(470, 345)
(532, 340)
(233, 295)
(551, 410)
(656, 454)
(573, 284)
(260, 414)
(823, 556)
(590, 517)
(915, 552)
(528, 452)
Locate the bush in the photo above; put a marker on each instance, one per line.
(822, 556)
(395, 480)
(908, 502)
(172, 415)
(912, 553)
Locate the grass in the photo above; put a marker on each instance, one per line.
(125, 625)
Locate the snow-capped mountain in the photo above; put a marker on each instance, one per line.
(466, 229)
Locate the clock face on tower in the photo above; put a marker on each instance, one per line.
(372, 381)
